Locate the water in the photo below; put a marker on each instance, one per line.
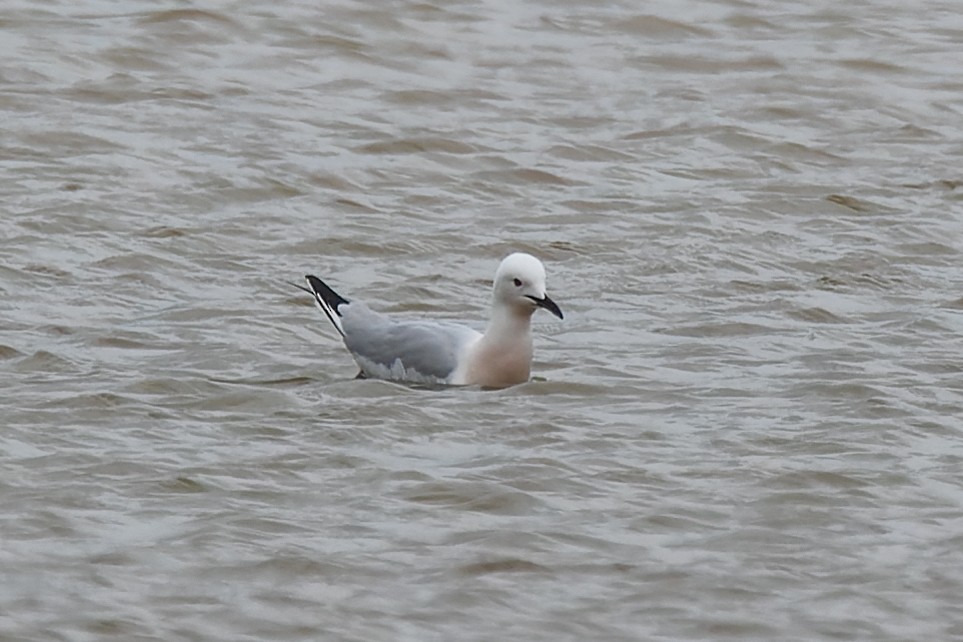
(747, 427)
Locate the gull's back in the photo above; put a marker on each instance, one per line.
(404, 350)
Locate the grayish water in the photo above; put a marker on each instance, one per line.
(749, 425)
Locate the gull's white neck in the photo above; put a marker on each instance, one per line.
(503, 355)
(509, 325)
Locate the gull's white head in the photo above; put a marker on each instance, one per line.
(520, 285)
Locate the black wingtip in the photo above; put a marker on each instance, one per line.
(328, 301)
(321, 289)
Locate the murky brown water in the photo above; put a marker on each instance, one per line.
(749, 426)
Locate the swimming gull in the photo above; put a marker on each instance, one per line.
(438, 352)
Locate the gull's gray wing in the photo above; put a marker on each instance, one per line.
(421, 351)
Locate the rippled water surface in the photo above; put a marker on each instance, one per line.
(749, 425)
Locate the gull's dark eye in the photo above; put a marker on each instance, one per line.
(517, 282)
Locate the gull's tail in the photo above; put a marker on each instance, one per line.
(327, 299)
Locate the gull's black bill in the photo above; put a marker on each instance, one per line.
(548, 304)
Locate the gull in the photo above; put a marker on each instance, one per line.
(439, 352)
